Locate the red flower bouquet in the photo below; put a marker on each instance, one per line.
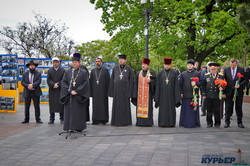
(220, 83)
(194, 101)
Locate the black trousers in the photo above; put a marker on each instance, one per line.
(52, 116)
(36, 101)
(203, 105)
(213, 108)
(230, 107)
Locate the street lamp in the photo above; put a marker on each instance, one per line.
(147, 12)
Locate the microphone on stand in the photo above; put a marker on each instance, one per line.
(71, 81)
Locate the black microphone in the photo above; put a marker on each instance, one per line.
(71, 81)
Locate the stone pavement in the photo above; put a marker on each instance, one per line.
(40, 144)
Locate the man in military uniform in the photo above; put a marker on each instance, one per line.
(210, 92)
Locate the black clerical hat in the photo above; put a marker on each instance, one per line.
(122, 56)
(31, 62)
(76, 57)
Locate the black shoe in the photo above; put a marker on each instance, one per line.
(51, 122)
(209, 126)
(39, 121)
(241, 126)
(226, 125)
(61, 121)
(25, 121)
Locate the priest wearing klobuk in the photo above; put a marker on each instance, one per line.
(167, 95)
(121, 89)
(99, 84)
(144, 89)
(75, 91)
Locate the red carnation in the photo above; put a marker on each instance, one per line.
(239, 75)
(195, 79)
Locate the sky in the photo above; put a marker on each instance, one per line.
(79, 16)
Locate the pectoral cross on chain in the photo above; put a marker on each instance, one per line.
(167, 81)
(121, 76)
(74, 84)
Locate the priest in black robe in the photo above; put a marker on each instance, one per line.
(54, 78)
(167, 95)
(121, 89)
(75, 91)
(143, 94)
(99, 84)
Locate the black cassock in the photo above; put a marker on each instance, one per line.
(75, 105)
(145, 121)
(55, 76)
(121, 89)
(87, 105)
(99, 84)
(167, 97)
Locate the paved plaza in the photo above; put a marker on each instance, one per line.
(41, 145)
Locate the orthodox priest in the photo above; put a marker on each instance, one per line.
(144, 89)
(54, 78)
(167, 95)
(75, 91)
(121, 89)
(99, 84)
(86, 69)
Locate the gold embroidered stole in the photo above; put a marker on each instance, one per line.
(143, 96)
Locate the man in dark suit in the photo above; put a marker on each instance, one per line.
(231, 76)
(31, 81)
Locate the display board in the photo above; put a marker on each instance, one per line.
(8, 82)
(11, 71)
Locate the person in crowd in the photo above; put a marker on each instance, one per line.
(54, 78)
(167, 95)
(31, 81)
(121, 89)
(189, 82)
(75, 91)
(210, 91)
(236, 80)
(99, 84)
(144, 89)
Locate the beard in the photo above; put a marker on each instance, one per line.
(32, 71)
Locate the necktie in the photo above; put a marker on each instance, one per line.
(233, 73)
(31, 78)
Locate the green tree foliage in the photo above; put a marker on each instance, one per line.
(183, 29)
(97, 48)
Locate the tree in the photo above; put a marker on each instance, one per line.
(46, 38)
(97, 48)
(183, 29)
